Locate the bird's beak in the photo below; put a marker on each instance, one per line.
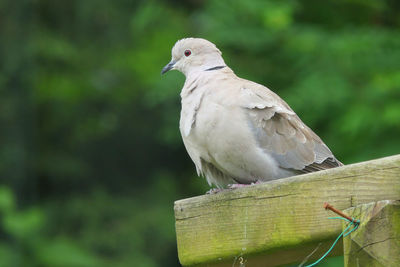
(168, 67)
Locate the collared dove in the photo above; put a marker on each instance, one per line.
(237, 131)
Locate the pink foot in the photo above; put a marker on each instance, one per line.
(233, 186)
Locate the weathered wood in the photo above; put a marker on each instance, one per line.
(282, 215)
(377, 240)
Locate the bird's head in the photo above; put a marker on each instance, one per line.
(194, 54)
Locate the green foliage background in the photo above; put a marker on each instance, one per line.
(91, 158)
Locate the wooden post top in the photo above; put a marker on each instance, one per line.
(281, 221)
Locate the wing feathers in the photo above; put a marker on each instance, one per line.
(282, 134)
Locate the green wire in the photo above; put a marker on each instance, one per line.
(345, 232)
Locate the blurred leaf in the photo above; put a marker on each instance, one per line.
(8, 256)
(24, 224)
(7, 202)
(63, 252)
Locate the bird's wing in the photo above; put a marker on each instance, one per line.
(281, 133)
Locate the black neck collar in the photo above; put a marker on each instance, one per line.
(215, 68)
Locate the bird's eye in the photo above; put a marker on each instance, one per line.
(188, 53)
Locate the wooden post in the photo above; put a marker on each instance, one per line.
(281, 221)
(377, 240)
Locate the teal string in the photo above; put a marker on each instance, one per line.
(345, 232)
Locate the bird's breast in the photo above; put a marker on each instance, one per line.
(212, 124)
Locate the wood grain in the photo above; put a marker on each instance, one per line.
(258, 221)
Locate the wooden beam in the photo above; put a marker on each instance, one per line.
(376, 242)
(286, 215)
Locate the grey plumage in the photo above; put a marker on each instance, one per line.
(235, 130)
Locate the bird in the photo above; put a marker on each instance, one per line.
(238, 132)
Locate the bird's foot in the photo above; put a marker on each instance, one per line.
(214, 191)
(230, 186)
(233, 186)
